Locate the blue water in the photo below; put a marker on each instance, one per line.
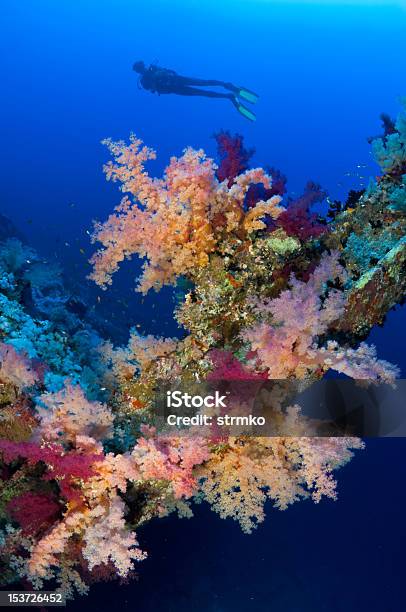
(324, 72)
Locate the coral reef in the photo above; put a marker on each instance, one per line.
(272, 293)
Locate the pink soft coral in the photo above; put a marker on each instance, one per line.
(287, 345)
(108, 539)
(171, 458)
(16, 368)
(297, 317)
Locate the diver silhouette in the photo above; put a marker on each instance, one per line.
(160, 80)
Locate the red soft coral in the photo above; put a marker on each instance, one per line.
(227, 367)
(297, 220)
(234, 157)
(33, 511)
(67, 468)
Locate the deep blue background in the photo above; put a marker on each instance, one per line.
(324, 72)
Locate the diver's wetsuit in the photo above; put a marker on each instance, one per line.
(163, 81)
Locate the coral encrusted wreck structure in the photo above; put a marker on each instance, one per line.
(271, 292)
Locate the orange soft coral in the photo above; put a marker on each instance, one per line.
(239, 478)
(68, 413)
(174, 222)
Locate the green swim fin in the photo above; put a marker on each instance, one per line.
(248, 95)
(244, 111)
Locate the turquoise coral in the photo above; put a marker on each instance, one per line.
(390, 151)
(397, 197)
(369, 245)
(51, 333)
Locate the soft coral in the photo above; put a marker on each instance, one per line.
(234, 157)
(297, 220)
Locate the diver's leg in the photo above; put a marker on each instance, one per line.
(194, 91)
(187, 81)
(243, 110)
(241, 92)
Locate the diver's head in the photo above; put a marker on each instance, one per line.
(139, 67)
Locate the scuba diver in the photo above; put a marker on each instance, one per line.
(163, 81)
